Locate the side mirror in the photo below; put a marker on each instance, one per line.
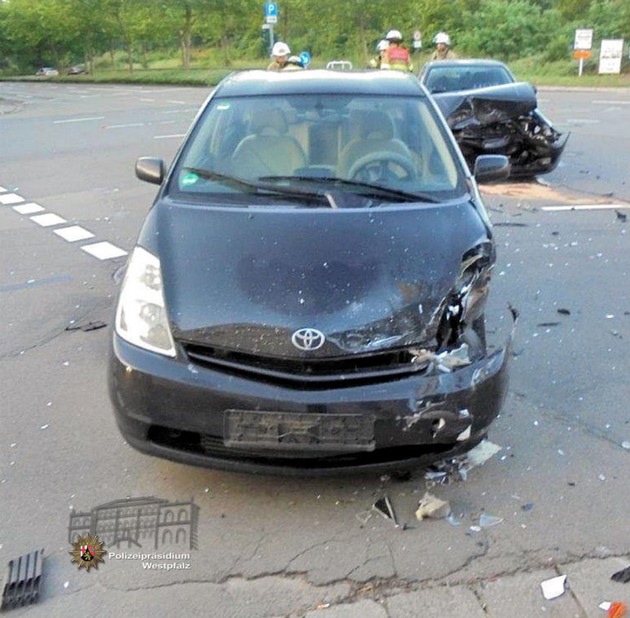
(150, 169)
(491, 168)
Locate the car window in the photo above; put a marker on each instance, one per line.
(395, 142)
(454, 78)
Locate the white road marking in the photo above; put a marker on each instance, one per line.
(2, 189)
(607, 102)
(147, 100)
(104, 250)
(28, 209)
(10, 198)
(78, 120)
(73, 233)
(124, 126)
(180, 135)
(178, 102)
(585, 207)
(50, 218)
(581, 121)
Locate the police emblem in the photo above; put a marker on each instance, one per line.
(87, 552)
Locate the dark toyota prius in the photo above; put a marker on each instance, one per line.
(307, 292)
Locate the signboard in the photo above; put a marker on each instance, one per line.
(583, 39)
(271, 12)
(610, 53)
(417, 39)
(582, 54)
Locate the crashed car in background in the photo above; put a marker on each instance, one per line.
(489, 112)
(308, 291)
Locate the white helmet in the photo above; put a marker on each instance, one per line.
(394, 35)
(382, 45)
(280, 49)
(442, 37)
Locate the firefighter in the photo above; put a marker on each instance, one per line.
(381, 48)
(280, 53)
(396, 56)
(443, 49)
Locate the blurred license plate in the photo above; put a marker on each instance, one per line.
(289, 431)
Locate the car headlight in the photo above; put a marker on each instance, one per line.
(141, 314)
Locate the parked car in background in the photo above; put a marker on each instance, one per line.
(490, 112)
(47, 72)
(77, 69)
(307, 293)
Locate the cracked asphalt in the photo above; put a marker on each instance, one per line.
(290, 547)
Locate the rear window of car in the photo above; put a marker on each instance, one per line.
(451, 79)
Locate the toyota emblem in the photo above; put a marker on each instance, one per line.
(308, 339)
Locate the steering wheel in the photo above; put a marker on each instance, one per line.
(383, 166)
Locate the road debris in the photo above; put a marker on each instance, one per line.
(554, 587)
(617, 609)
(623, 576)
(22, 584)
(487, 521)
(432, 507)
(383, 507)
(86, 328)
(562, 311)
(457, 468)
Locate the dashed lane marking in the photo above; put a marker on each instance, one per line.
(68, 120)
(10, 198)
(179, 135)
(104, 250)
(28, 209)
(47, 220)
(73, 233)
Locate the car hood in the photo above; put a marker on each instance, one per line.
(510, 100)
(246, 279)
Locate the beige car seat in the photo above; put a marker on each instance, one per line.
(268, 150)
(375, 133)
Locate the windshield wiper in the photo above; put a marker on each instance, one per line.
(256, 187)
(372, 189)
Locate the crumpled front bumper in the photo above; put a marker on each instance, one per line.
(175, 410)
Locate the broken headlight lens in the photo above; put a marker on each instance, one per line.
(141, 317)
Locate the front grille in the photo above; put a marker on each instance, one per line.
(312, 373)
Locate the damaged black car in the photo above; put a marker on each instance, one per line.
(489, 112)
(308, 290)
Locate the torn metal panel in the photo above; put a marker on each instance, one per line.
(23, 578)
(504, 120)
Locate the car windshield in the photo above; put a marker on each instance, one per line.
(256, 149)
(453, 78)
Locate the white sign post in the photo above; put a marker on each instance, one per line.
(582, 46)
(610, 54)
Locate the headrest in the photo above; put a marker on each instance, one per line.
(376, 125)
(269, 122)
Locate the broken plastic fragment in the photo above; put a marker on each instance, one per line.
(482, 452)
(384, 507)
(432, 507)
(623, 576)
(22, 583)
(554, 587)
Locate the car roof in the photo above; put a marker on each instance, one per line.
(319, 81)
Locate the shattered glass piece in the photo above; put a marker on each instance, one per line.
(363, 517)
(487, 521)
(626, 444)
(452, 519)
(553, 587)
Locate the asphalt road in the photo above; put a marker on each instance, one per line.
(267, 546)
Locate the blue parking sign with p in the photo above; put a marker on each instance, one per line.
(271, 9)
